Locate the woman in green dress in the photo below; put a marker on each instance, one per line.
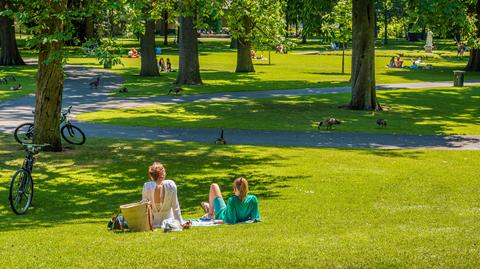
(239, 207)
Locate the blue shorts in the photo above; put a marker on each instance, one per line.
(218, 205)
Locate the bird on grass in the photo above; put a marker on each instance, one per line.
(175, 90)
(221, 140)
(382, 123)
(329, 123)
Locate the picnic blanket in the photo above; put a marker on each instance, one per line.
(205, 222)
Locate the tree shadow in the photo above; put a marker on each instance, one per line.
(88, 183)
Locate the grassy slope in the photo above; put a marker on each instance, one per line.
(288, 71)
(423, 111)
(320, 207)
(25, 75)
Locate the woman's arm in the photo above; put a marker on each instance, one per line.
(218, 221)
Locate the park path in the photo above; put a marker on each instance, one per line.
(78, 94)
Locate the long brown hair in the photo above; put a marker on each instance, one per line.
(241, 184)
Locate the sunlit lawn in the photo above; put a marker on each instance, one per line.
(421, 111)
(320, 208)
(287, 71)
(25, 76)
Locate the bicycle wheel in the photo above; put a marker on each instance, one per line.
(73, 134)
(24, 133)
(21, 192)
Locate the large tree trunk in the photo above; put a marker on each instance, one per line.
(363, 57)
(49, 88)
(149, 65)
(189, 67)
(244, 59)
(89, 28)
(165, 28)
(9, 54)
(244, 46)
(474, 60)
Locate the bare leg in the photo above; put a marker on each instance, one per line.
(214, 192)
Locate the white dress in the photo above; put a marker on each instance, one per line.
(169, 208)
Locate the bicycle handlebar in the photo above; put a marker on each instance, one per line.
(33, 147)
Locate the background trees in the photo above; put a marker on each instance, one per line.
(9, 54)
(254, 22)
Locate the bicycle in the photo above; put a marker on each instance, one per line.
(71, 133)
(21, 186)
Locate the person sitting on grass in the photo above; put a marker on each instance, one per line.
(414, 65)
(398, 62)
(169, 66)
(161, 64)
(239, 207)
(392, 63)
(162, 194)
(133, 53)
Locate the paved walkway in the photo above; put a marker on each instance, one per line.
(78, 94)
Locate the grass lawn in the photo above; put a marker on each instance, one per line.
(287, 71)
(320, 208)
(25, 75)
(419, 111)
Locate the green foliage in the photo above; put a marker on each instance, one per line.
(337, 25)
(261, 22)
(105, 52)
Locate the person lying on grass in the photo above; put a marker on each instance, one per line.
(239, 208)
(162, 194)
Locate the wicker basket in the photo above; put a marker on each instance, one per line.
(138, 216)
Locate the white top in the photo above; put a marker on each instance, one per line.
(169, 208)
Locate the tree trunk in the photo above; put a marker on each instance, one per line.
(385, 24)
(49, 88)
(189, 66)
(474, 59)
(9, 54)
(89, 28)
(148, 57)
(244, 59)
(165, 28)
(233, 43)
(363, 57)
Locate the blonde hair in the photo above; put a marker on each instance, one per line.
(241, 184)
(156, 171)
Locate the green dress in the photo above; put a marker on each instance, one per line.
(237, 211)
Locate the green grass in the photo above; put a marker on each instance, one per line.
(420, 111)
(287, 71)
(320, 208)
(25, 75)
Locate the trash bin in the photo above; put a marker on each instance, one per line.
(158, 50)
(458, 78)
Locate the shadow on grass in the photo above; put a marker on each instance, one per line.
(90, 182)
(411, 112)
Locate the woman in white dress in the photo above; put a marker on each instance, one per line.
(162, 194)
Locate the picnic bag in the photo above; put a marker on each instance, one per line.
(138, 216)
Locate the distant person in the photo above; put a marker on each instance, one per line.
(169, 66)
(398, 62)
(279, 49)
(133, 53)
(392, 63)
(239, 207)
(414, 65)
(161, 64)
(253, 54)
(460, 49)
